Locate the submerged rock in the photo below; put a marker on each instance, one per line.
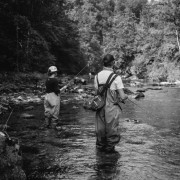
(127, 91)
(139, 95)
(27, 116)
(141, 90)
(155, 88)
(10, 159)
(29, 108)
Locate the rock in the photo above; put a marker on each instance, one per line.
(138, 95)
(177, 82)
(87, 104)
(20, 98)
(164, 83)
(141, 90)
(10, 159)
(78, 80)
(127, 91)
(80, 90)
(135, 121)
(167, 84)
(155, 88)
(134, 77)
(2, 141)
(29, 108)
(154, 84)
(74, 107)
(27, 116)
(65, 101)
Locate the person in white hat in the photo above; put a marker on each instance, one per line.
(52, 99)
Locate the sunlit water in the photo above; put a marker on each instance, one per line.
(148, 150)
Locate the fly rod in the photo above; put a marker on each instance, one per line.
(64, 87)
(5, 125)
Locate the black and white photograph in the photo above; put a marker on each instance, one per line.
(89, 89)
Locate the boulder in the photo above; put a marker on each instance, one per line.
(139, 95)
(127, 91)
(78, 80)
(141, 90)
(177, 82)
(10, 159)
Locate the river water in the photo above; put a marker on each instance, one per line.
(149, 148)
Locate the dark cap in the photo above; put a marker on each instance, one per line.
(108, 58)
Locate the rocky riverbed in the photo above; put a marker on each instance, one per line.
(148, 149)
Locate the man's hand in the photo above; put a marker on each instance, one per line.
(124, 99)
(63, 88)
(122, 95)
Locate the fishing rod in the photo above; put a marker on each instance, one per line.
(5, 125)
(64, 87)
(141, 108)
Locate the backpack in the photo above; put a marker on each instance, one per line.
(99, 101)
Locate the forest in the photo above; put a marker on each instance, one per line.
(142, 35)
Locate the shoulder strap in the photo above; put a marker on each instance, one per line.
(106, 84)
(112, 80)
(97, 80)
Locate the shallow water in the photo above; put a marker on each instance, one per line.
(148, 150)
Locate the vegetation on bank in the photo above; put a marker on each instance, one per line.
(143, 36)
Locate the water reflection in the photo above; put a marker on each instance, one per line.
(159, 108)
(106, 166)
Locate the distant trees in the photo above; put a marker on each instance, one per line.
(143, 37)
(108, 26)
(159, 44)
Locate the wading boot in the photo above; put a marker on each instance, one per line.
(46, 124)
(54, 125)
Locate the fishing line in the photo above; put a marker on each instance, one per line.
(81, 70)
(74, 76)
(142, 108)
(126, 139)
(5, 125)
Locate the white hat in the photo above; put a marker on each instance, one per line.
(52, 69)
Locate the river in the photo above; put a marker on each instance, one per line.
(149, 148)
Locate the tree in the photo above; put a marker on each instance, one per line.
(37, 33)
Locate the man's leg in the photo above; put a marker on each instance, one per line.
(47, 113)
(55, 115)
(100, 130)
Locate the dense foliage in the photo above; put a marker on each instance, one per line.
(35, 34)
(142, 35)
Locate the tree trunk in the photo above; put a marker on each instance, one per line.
(17, 53)
(177, 35)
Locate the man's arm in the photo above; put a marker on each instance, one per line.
(119, 88)
(122, 95)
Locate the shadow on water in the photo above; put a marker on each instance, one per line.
(106, 166)
(148, 150)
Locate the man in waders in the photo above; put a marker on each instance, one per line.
(107, 118)
(52, 99)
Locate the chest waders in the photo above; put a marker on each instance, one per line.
(102, 114)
